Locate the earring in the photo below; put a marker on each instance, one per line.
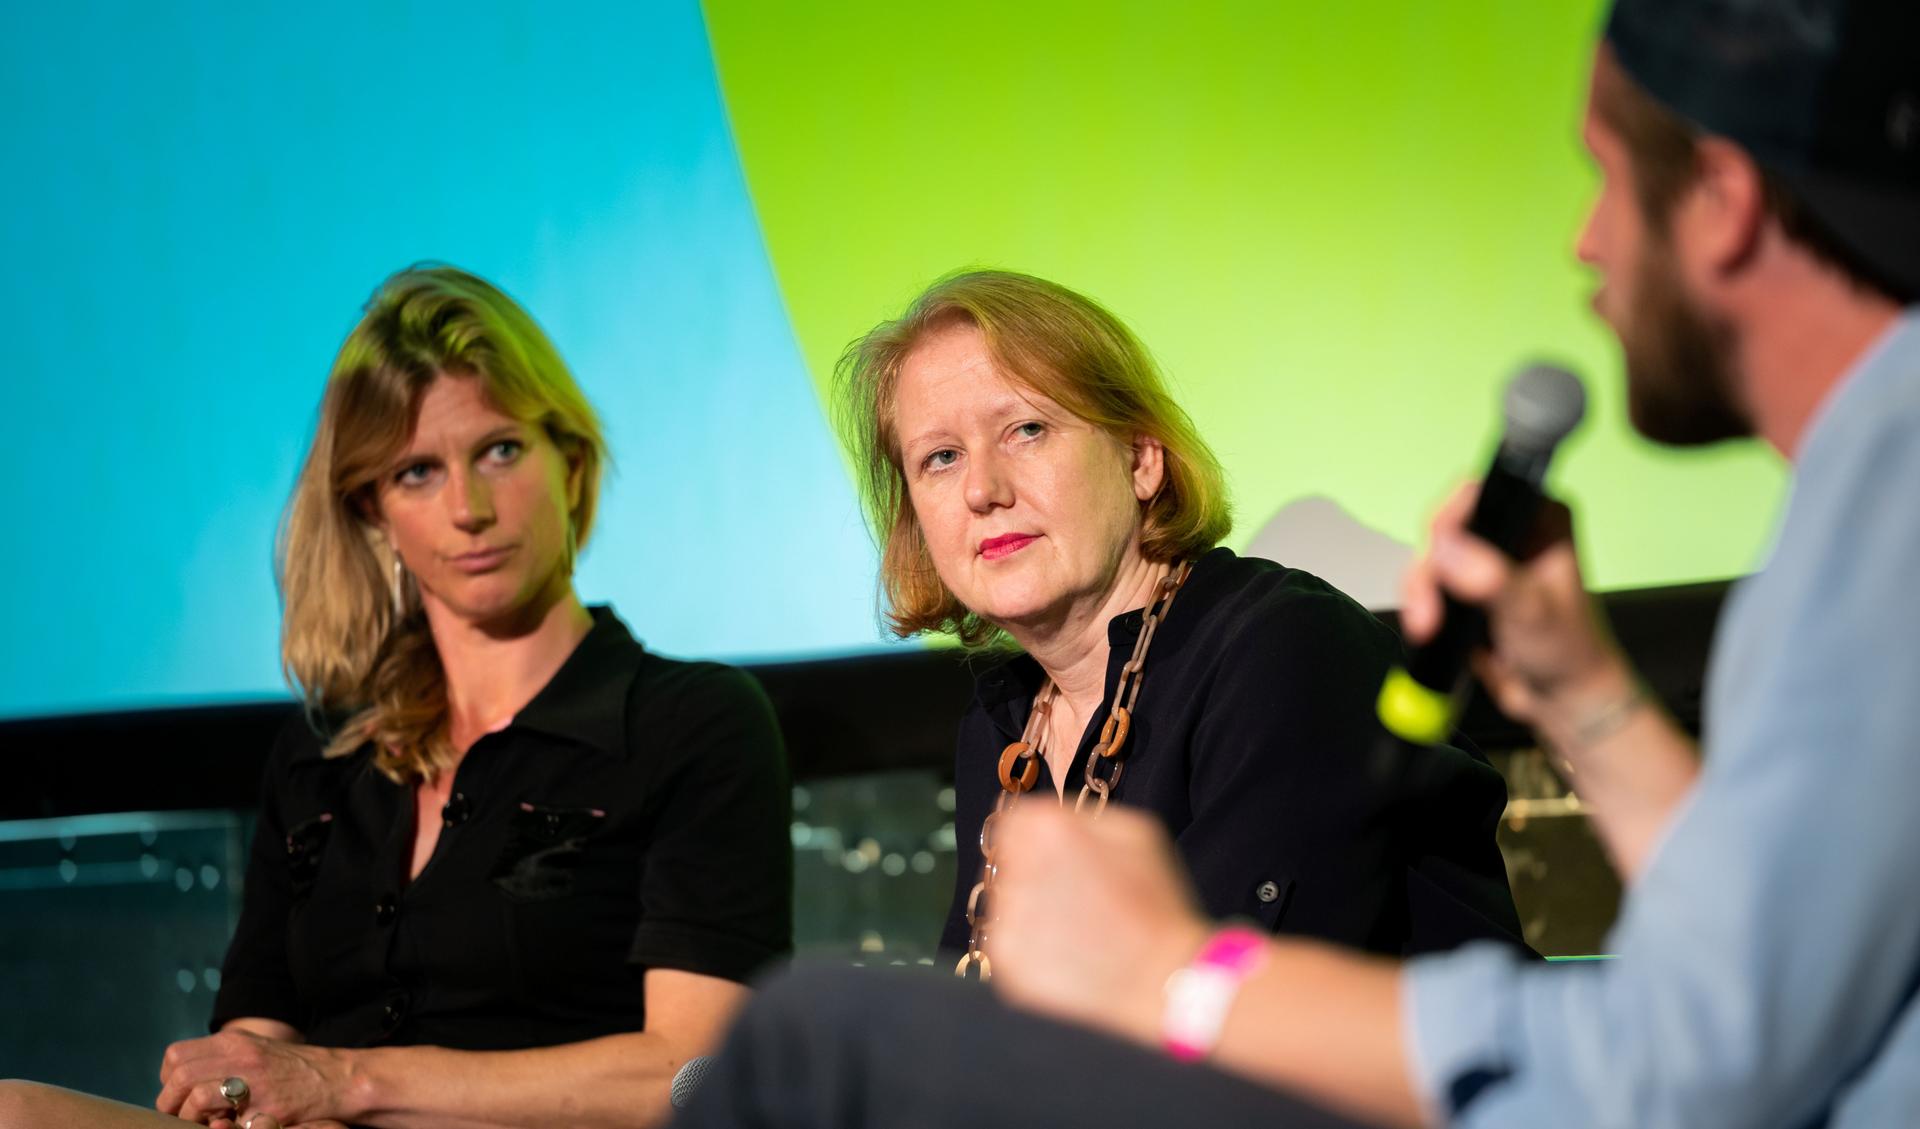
(398, 587)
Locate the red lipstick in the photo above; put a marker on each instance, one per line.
(1005, 545)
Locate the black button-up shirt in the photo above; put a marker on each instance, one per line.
(1254, 739)
(635, 814)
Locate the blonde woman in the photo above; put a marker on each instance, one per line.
(511, 869)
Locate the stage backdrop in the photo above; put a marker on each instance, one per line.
(1338, 227)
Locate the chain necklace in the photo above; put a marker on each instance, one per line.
(1020, 762)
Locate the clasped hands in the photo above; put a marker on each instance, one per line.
(291, 1085)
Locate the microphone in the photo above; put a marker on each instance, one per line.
(1420, 702)
(687, 1079)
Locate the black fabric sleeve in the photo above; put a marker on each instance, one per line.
(256, 980)
(716, 888)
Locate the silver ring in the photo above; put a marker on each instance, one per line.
(236, 1091)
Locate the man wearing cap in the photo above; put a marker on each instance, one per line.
(1757, 240)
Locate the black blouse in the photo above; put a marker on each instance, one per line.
(1255, 741)
(634, 815)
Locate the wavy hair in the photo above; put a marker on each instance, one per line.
(354, 639)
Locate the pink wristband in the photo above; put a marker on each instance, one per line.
(1199, 995)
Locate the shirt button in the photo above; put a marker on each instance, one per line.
(456, 810)
(1268, 892)
(383, 911)
(391, 1014)
(552, 824)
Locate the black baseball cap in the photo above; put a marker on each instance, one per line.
(1824, 93)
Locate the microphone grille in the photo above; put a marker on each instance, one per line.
(687, 1079)
(1543, 403)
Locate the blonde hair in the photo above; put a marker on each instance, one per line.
(354, 639)
(1052, 341)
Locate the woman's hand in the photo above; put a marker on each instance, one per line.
(291, 1082)
(1090, 917)
(269, 1121)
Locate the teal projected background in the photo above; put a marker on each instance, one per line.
(1338, 227)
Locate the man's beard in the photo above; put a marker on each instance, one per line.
(1681, 387)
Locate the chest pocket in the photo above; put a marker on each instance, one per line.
(543, 850)
(306, 842)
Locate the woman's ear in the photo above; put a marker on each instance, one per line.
(1149, 467)
(576, 457)
(367, 506)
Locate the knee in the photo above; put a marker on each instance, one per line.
(801, 1042)
(828, 1005)
(810, 996)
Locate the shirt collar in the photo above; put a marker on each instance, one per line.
(586, 699)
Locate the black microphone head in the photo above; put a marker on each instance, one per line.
(1543, 403)
(687, 1079)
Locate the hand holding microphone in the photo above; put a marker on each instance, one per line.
(1517, 609)
(1549, 648)
(1501, 570)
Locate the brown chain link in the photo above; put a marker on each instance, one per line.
(1020, 762)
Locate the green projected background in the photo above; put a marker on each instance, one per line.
(1338, 226)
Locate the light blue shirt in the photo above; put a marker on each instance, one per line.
(1769, 940)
